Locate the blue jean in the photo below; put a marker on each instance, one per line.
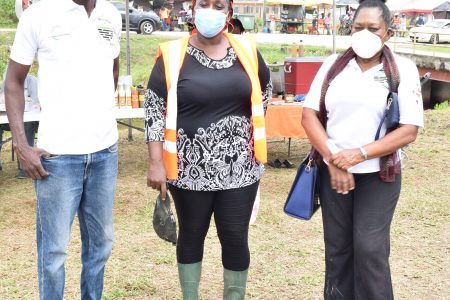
(83, 184)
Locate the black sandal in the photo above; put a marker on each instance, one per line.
(275, 164)
(288, 164)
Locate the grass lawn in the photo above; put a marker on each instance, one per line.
(441, 48)
(144, 48)
(287, 254)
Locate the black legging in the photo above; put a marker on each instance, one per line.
(232, 210)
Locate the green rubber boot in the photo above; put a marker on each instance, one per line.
(234, 284)
(189, 275)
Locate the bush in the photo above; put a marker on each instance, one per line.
(441, 106)
(259, 21)
(7, 13)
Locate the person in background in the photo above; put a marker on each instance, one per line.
(301, 16)
(327, 22)
(236, 26)
(345, 24)
(205, 130)
(75, 164)
(30, 128)
(420, 20)
(395, 24)
(189, 14)
(403, 25)
(169, 18)
(189, 21)
(321, 23)
(341, 115)
(164, 15)
(315, 18)
(181, 19)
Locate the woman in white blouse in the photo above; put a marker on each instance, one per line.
(341, 115)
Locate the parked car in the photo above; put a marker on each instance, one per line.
(140, 21)
(436, 31)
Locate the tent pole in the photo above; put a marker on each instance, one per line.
(263, 15)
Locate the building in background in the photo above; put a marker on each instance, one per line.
(253, 7)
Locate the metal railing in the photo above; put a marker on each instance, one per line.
(403, 42)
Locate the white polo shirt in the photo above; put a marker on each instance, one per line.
(356, 101)
(75, 78)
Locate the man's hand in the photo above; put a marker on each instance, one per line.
(30, 161)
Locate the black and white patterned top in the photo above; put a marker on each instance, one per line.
(214, 129)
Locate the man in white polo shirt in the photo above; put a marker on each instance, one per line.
(74, 165)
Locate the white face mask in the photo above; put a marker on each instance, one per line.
(366, 44)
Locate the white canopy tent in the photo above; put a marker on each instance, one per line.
(418, 6)
(397, 5)
(346, 2)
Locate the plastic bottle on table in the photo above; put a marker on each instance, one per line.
(294, 50)
(141, 95)
(301, 49)
(128, 95)
(122, 97)
(116, 97)
(134, 98)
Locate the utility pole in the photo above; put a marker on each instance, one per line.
(264, 14)
(127, 33)
(334, 26)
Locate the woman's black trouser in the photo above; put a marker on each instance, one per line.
(357, 237)
(232, 210)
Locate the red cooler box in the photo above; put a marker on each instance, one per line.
(299, 73)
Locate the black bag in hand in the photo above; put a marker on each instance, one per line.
(164, 221)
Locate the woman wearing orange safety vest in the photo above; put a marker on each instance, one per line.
(204, 120)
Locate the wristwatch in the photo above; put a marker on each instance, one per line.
(363, 153)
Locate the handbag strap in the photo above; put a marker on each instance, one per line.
(393, 79)
(311, 157)
(388, 107)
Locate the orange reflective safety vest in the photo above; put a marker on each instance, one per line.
(173, 53)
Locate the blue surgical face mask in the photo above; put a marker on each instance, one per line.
(209, 22)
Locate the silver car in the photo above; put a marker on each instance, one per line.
(436, 31)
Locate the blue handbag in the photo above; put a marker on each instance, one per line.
(303, 200)
(392, 111)
(391, 114)
(390, 164)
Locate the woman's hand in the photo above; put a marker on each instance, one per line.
(341, 181)
(156, 177)
(346, 159)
